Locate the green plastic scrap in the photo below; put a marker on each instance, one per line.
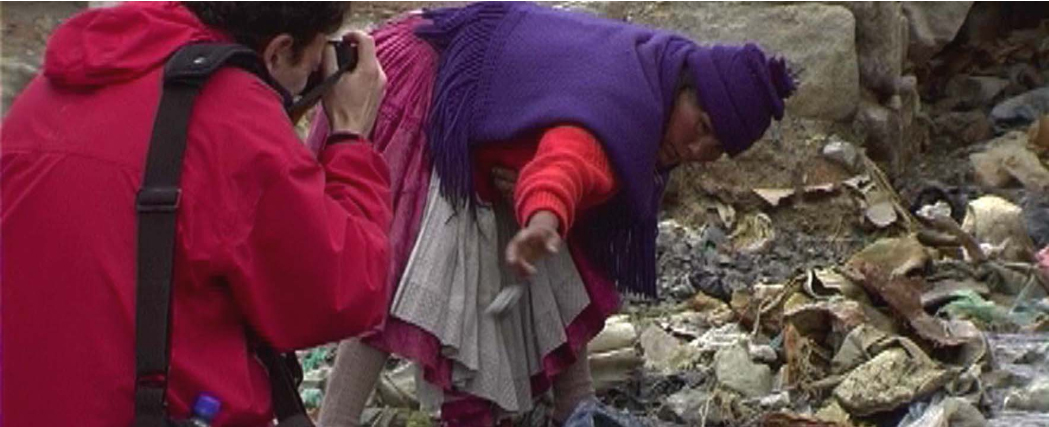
(969, 305)
(314, 358)
(311, 397)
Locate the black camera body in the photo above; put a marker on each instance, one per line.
(318, 83)
(345, 54)
(346, 58)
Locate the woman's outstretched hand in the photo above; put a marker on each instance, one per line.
(537, 240)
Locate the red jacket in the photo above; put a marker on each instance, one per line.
(269, 238)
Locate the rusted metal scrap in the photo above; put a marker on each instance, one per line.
(786, 419)
(903, 296)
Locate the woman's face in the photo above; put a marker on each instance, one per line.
(690, 135)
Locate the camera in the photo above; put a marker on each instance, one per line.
(318, 83)
(345, 57)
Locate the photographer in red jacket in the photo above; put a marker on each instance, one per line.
(269, 238)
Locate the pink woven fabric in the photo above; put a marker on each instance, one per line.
(400, 130)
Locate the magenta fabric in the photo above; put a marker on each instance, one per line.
(410, 65)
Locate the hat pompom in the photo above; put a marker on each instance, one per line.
(781, 77)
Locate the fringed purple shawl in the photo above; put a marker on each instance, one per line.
(508, 69)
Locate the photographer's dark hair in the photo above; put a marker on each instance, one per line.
(254, 24)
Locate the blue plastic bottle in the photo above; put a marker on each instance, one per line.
(204, 410)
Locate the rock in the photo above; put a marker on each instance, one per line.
(1034, 398)
(820, 39)
(26, 28)
(774, 402)
(1038, 136)
(842, 153)
(689, 325)
(763, 353)
(949, 412)
(663, 352)
(960, 129)
(975, 91)
(997, 222)
(884, 136)
(1022, 78)
(881, 43)
(1038, 356)
(17, 75)
(1021, 110)
(833, 412)
(932, 26)
(737, 372)
(613, 368)
(688, 405)
(612, 354)
(1036, 217)
(618, 333)
(1009, 159)
(882, 214)
(713, 236)
(891, 379)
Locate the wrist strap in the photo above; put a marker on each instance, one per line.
(344, 137)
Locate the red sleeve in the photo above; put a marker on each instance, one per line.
(570, 172)
(314, 268)
(309, 256)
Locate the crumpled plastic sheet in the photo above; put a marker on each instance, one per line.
(593, 414)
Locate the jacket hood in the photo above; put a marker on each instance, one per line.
(111, 45)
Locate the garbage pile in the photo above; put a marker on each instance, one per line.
(938, 322)
(905, 332)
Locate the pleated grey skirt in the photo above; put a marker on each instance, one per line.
(456, 269)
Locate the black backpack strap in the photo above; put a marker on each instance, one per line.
(285, 376)
(157, 205)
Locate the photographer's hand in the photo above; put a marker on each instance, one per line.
(353, 103)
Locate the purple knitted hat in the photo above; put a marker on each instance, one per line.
(741, 90)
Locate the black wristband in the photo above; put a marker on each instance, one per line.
(344, 137)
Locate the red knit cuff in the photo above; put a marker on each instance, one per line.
(541, 200)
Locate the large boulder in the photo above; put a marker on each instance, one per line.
(881, 43)
(26, 27)
(817, 38)
(932, 26)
